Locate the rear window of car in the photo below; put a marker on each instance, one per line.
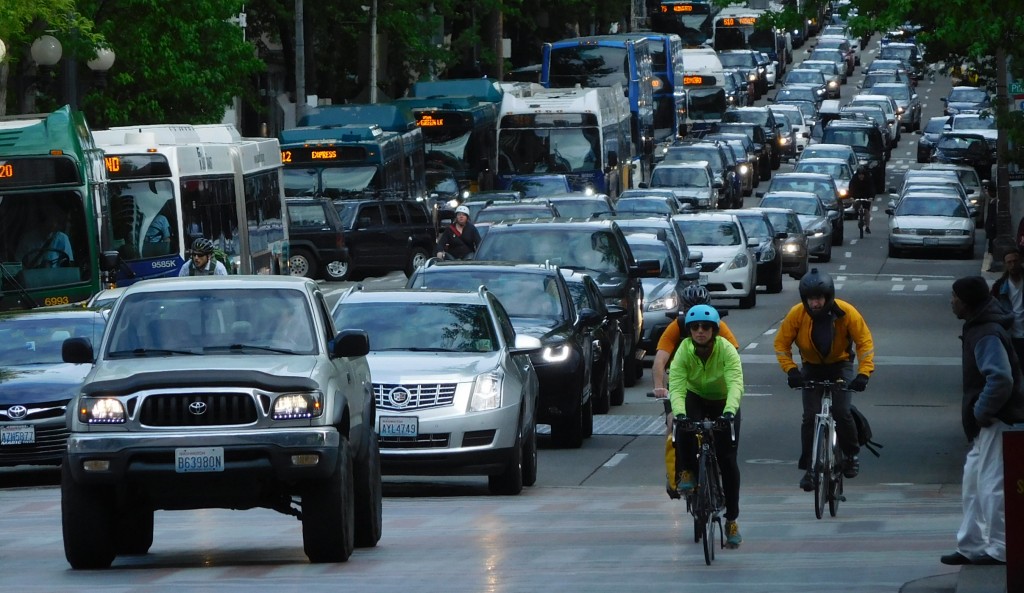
(523, 294)
(586, 248)
(712, 233)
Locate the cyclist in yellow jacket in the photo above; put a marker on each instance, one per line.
(706, 381)
(827, 332)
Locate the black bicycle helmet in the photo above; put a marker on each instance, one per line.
(202, 246)
(816, 283)
(694, 295)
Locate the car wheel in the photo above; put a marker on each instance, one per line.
(328, 513)
(133, 531)
(302, 263)
(369, 496)
(775, 286)
(567, 432)
(838, 235)
(893, 252)
(827, 257)
(618, 390)
(416, 259)
(530, 457)
(87, 521)
(968, 252)
(631, 369)
(766, 170)
(601, 391)
(749, 301)
(338, 270)
(510, 481)
(588, 418)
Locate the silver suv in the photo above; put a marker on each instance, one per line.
(455, 388)
(228, 392)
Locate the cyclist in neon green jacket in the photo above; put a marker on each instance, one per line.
(706, 381)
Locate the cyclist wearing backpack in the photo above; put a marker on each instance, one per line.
(827, 331)
(706, 382)
(202, 262)
(691, 296)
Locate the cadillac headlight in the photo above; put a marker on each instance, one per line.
(486, 392)
(291, 406)
(740, 261)
(101, 410)
(666, 303)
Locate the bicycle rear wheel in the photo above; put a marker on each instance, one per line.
(822, 469)
(705, 504)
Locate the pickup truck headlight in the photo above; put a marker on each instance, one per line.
(292, 406)
(101, 410)
(486, 392)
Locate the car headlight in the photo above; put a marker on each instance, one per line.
(557, 353)
(783, 140)
(703, 201)
(956, 232)
(899, 111)
(292, 406)
(767, 255)
(842, 194)
(486, 392)
(666, 303)
(744, 169)
(452, 203)
(833, 84)
(901, 231)
(740, 261)
(791, 248)
(101, 410)
(752, 77)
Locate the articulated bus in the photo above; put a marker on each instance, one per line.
(692, 20)
(667, 67)
(737, 28)
(459, 120)
(389, 117)
(704, 85)
(580, 133)
(604, 61)
(170, 184)
(51, 178)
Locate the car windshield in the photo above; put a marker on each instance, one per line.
(737, 59)
(540, 186)
(517, 212)
(655, 251)
(967, 95)
(785, 222)
(957, 142)
(689, 154)
(896, 52)
(582, 208)
(635, 205)
(594, 250)
(202, 321)
(796, 94)
(805, 77)
(821, 188)
(835, 170)
(708, 232)
(442, 183)
(974, 123)
(35, 339)
(430, 327)
(799, 205)
(815, 151)
(899, 92)
(522, 294)
(747, 116)
(755, 226)
(936, 125)
(911, 206)
(680, 177)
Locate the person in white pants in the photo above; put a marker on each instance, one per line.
(993, 401)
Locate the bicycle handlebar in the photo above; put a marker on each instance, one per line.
(832, 384)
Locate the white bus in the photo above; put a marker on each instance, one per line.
(170, 184)
(581, 133)
(704, 86)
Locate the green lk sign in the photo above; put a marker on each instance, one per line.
(1017, 87)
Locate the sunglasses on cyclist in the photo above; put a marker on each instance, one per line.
(702, 325)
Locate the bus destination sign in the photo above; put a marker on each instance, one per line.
(38, 171)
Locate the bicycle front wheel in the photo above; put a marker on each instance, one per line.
(706, 506)
(835, 491)
(822, 469)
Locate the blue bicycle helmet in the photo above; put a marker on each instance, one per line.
(703, 313)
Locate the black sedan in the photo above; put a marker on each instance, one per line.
(36, 384)
(964, 149)
(930, 133)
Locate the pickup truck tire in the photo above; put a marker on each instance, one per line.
(87, 518)
(134, 529)
(368, 492)
(510, 481)
(328, 513)
(302, 263)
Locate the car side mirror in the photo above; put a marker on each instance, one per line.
(526, 344)
(613, 158)
(691, 274)
(696, 255)
(351, 342)
(616, 311)
(781, 235)
(77, 351)
(889, 211)
(753, 242)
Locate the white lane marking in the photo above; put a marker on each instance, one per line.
(751, 346)
(615, 459)
(920, 287)
(898, 287)
(771, 331)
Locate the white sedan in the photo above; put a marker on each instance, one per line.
(931, 223)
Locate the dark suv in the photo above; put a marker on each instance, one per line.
(385, 235)
(539, 304)
(729, 194)
(867, 142)
(316, 242)
(763, 117)
(597, 247)
(762, 147)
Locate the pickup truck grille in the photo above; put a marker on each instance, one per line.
(198, 409)
(413, 396)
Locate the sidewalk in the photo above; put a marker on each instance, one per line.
(970, 579)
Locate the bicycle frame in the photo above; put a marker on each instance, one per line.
(828, 480)
(707, 501)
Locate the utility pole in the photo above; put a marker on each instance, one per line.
(1005, 232)
(373, 51)
(300, 62)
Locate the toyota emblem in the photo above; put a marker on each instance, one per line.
(197, 408)
(399, 397)
(17, 412)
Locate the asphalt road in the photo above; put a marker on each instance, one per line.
(598, 518)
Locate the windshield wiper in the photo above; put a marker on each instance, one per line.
(148, 351)
(237, 347)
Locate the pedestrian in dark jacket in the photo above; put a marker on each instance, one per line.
(1009, 291)
(992, 403)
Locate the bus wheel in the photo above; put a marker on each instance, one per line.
(302, 263)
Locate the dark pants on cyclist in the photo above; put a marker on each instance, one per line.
(698, 408)
(846, 430)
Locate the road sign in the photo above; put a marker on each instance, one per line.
(1017, 87)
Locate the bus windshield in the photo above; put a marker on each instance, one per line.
(589, 66)
(705, 103)
(566, 150)
(143, 219)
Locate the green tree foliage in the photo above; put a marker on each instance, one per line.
(176, 61)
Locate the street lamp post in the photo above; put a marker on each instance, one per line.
(47, 51)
